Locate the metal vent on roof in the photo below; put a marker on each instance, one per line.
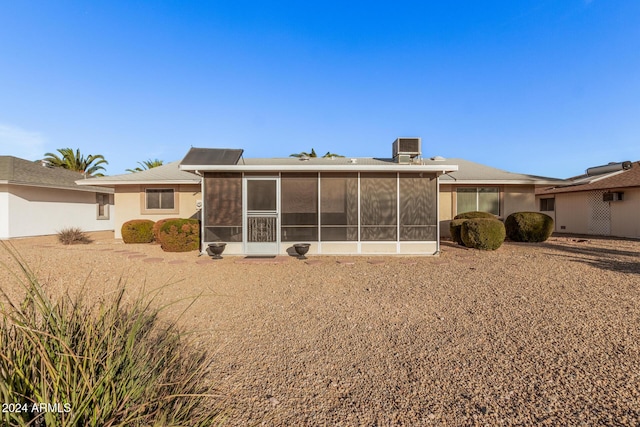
(212, 156)
(611, 167)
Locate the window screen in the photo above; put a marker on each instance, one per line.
(159, 198)
(299, 205)
(223, 207)
(261, 195)
(339, 207)
(418, 216)
(378, 206)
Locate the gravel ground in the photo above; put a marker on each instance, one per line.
(539, 334)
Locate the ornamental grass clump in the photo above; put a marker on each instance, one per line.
(180, 235)
(483, 233)
(110, 363)
(529, 226)
(73, 236)
(137, 231)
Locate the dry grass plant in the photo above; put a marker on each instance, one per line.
(73, 236)
(108, 363)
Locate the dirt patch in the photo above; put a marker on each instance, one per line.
(540, 334)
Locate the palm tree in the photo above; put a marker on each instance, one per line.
(147, 164)
(313, 154)
(330, 154)
(304, 154)
(88, 166)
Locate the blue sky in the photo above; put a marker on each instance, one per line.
(543, 87)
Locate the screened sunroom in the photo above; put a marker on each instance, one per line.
(339, 206)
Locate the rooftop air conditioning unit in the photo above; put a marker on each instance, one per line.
(406, 149)
(612, 196)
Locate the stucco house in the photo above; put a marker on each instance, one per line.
(604, 201)
(477, 187)
(36, 199)
(259, 206)
(157, 193)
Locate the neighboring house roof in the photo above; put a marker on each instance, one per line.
(475, 173)
(16, 171)
(608, 181)
(165, 174)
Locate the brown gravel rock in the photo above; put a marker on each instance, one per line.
(530, 334)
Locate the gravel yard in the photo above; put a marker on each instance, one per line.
(530, 334)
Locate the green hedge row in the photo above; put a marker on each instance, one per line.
(173, 234)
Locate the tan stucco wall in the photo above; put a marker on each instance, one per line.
(625, 214)
(518, 198)
(129, 201)
(513, 198)
(572, 213)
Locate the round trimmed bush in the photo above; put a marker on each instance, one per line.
(156, 228)
(455, 228)
(483, 233)
(475, 214)
(137, 231)
(180, 235)
(529, 226)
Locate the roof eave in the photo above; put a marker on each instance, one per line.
(321, 168)
(87, 188)
(143, 182)
(497, 182)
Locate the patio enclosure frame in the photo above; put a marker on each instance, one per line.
(351, 212)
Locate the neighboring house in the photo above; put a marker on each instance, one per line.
(36, 199)
(476, 187)
(604, 201)
(156, 193)
(398, 205)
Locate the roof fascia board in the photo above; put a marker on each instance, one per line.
(145, 182)
(320, 168)
(87, 188)
(496, 181)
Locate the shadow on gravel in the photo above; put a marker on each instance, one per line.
(589, 250)
(599, 257)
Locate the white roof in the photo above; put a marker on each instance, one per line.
(317, 164)
(165, 174)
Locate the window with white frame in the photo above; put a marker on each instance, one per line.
(159, 198)
(483, 199)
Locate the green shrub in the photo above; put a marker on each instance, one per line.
(107, 363)
(137, 231)
(483, 233)
(72, 236)
(529, 226)
(475, 214)
(180, 235)
(455, 228)
(156, 228)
